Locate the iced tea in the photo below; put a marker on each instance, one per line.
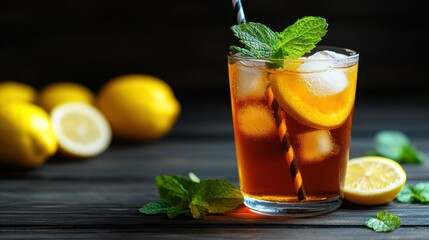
(293, 122)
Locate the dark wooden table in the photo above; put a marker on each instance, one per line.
(99, 198)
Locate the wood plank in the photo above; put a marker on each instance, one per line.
(215, 232)
(134, 193)
(412, 215)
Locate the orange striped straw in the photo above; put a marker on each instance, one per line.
(281, 123)
(289, 155)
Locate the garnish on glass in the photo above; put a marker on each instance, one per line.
(294, 41)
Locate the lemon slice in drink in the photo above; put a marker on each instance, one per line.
(81, 129)
(373, 180)
(315, 100)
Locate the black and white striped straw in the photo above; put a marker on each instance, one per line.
(238, 8)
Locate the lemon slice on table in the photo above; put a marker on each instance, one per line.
(81, 129)
(320, 100)
(373, 180)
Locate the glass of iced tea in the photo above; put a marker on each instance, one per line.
(292, 129)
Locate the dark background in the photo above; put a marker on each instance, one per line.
(185, 42)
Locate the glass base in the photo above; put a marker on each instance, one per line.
(305, 209)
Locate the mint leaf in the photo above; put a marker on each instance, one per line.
(174, 188)
(259, 39)
(216, 196)
(422, 191)
(406, 195)
(192, 197)
(390, 144)
(302, 36)
(396, 145)
(410, 194)
(411, 155)
(384, 222)
(164, 206)
(294, 41)
(198, 211)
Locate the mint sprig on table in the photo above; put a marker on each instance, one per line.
(397, 146)
(294, 41)
(411, 194)
(383, 222)
(192, 196)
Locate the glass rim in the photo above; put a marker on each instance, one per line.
(351, 56)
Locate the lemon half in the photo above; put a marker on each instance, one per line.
(81, 129)
(372, 180)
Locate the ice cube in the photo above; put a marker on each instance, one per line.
(256, 120)
(315, 145)
(251, 83)
(326, 54)
(327, 57)
(252, 63)
(326, 83)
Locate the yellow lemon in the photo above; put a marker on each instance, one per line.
(11, 91)
(315, 105)
(81, 129)
(373, 180)
(139, 107)
(27, 139)
(62, 92)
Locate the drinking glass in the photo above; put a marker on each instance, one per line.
(292, 122)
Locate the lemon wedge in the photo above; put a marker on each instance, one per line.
(311, 104)
(373, 180)
(81, 129)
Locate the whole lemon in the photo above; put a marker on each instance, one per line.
(138, 106)
(27, 139)
(11, 91)
(61, 92)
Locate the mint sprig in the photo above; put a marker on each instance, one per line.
(411, 194)
(294, 41)
(397, 146)
(383, 222)
(192, 196)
